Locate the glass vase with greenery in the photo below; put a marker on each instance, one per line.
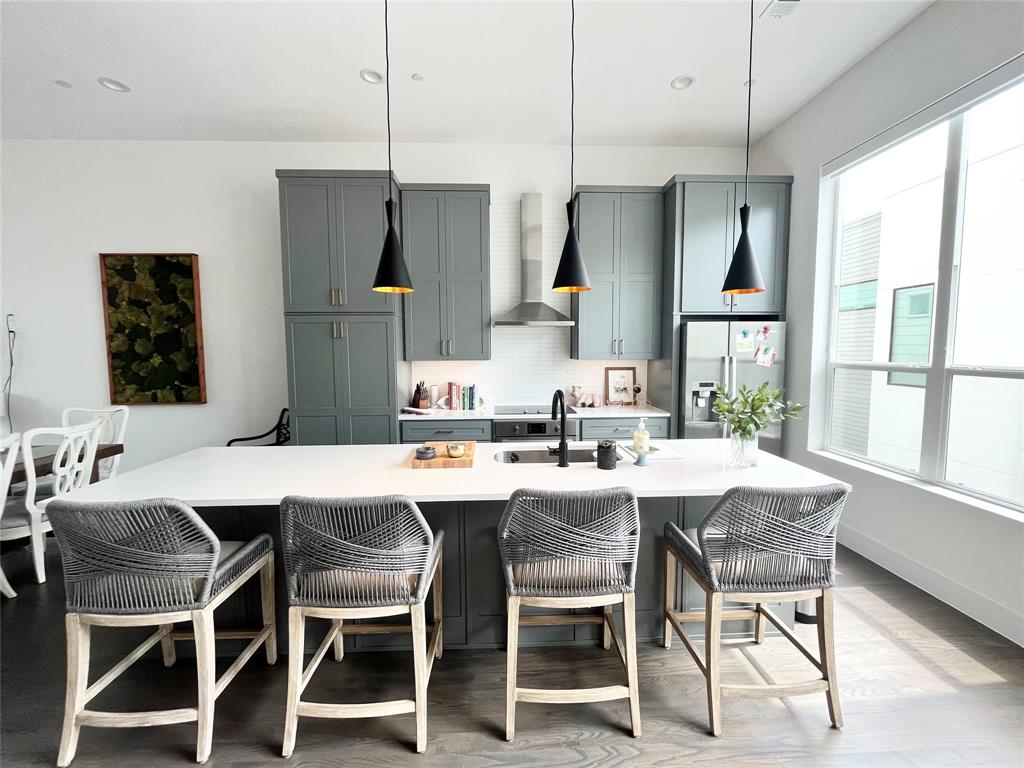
(748, 413)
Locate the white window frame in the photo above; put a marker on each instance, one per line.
(940, 371)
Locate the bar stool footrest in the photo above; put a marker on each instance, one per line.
(572, 695)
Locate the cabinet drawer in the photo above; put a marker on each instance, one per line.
(621, 429)
(456, 429)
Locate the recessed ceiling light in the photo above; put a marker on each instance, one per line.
(371, 76)
(63, 84)
(417, 77)
(113, 85)
(682, 82)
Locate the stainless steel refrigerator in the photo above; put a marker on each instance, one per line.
(729, 354)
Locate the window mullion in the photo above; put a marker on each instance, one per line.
(937, 388)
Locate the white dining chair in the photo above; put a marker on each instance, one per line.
(24, 517)
(113, 427)
(8, 457)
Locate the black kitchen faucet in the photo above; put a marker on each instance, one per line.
(558, 401)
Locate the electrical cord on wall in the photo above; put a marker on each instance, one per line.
(12, 336)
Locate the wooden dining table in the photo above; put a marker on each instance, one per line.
(43, 460)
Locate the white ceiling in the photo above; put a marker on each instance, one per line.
(494, 72)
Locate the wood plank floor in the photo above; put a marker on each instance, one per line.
(921, 685)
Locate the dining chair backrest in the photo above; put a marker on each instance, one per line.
(113, 428)
(131, 557)
(72, 461)
(8, 457)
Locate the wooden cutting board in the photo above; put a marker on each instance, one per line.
(443, 460)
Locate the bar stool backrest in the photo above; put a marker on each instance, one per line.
(133, 557)
(356, 551)
(113, 427)
(570, 543)
(772, 539)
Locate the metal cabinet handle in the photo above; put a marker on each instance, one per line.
(333, 298)
(449, 347)
(334, 329)
(622, 429)
(341, 330)
(341, 295)
(443, 431)
(620, 346)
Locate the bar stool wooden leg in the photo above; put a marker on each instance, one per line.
(167, 646)
(202, 622)
(712, 659)
(827, 654)
(419, 657)
(629, 621)
(606, 635)
(339, 641)
(267, 607)
(296, 656)
(759, 625)
(78, 638)
(670, 595)
(512, 661)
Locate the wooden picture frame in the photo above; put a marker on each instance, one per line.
(616, 395)
(153, 323)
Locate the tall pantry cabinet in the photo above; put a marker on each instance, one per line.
(344, 341)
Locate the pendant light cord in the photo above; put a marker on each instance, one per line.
(572, 98)
(387, 91)
(750, 93)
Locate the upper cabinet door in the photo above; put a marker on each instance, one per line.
(708, 243)
(308, 244)
(361, 226)
(423, 240)
(468, 290)
(769, 222)
(640, 276)
(596, 312)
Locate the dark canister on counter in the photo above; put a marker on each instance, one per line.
(607, 454)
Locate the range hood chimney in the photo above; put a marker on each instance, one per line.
(531, 310)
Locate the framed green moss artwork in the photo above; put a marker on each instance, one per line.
(154, 326)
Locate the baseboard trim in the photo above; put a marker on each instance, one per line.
(986, 611)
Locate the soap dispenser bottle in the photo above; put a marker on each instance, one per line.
(642, 438)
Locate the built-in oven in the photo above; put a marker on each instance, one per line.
(535, 424)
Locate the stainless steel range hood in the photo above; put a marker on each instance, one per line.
(531, 310)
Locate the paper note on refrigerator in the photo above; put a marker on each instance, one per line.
(744, 342)
(765, 355)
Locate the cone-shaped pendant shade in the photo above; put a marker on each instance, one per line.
(392, 274)
(744, 276)
(571, 276)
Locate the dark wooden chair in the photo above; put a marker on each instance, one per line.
(282, 434)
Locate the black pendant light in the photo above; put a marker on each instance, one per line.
(392, 274)
(744, 276)
(571, 276)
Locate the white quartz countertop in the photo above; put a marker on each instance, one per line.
(488, 414)
(264, 475)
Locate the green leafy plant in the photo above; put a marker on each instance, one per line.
(750, 411)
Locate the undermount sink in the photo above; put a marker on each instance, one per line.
(545, 456)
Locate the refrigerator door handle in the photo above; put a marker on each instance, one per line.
(733, 375)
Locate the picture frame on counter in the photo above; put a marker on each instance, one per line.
(619, 383)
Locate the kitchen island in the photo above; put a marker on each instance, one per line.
(238, 490)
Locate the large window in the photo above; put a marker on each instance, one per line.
(926, 360)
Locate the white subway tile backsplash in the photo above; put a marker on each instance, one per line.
(527, 364)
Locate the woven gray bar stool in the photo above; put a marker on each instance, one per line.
(571, 549)
(759, 545)
(359, 558)
(152, 563)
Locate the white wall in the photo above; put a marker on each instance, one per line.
(63, 202)
(967, 554)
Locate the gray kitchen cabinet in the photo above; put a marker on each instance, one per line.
(710, 228)
(454, 429)
(332, 231)
(342, 378)
(446, 239)
(620, 237)
(622, 429)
